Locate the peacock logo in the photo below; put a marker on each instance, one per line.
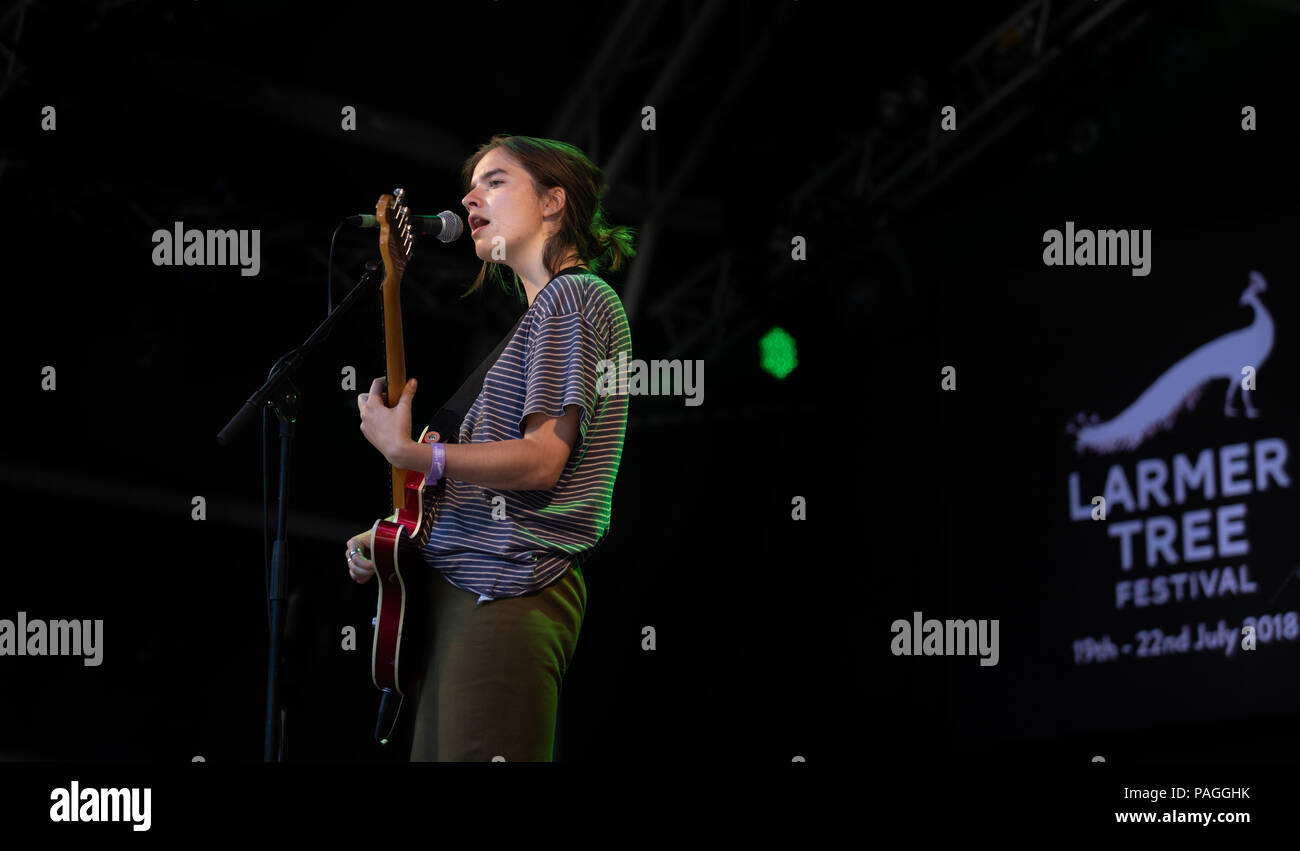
(1181, 386)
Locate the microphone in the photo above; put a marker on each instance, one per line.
(446, 226)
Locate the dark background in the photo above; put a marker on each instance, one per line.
(774, 120)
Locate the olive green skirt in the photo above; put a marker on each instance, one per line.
(491, 686)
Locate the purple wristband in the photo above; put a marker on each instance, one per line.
(437, 462)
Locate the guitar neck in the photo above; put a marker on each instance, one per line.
(395, 360)
(395, 240)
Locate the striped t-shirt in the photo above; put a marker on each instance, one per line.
(503, 543)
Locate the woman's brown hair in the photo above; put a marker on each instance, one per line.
(583, 227)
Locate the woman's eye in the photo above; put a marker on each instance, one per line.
(493, 182)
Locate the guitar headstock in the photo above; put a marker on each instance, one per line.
(395, 235)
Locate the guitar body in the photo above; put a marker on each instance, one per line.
(401, 620)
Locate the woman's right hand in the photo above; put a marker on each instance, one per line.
(360, 566)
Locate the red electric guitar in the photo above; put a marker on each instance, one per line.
(401, 628)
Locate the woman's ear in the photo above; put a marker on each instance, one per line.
(555, 200)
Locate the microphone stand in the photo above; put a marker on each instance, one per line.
(280, 394)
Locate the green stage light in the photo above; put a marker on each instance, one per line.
(777, 352)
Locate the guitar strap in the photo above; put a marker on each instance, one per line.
(448, 419)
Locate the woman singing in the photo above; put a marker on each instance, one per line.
(530, 483)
